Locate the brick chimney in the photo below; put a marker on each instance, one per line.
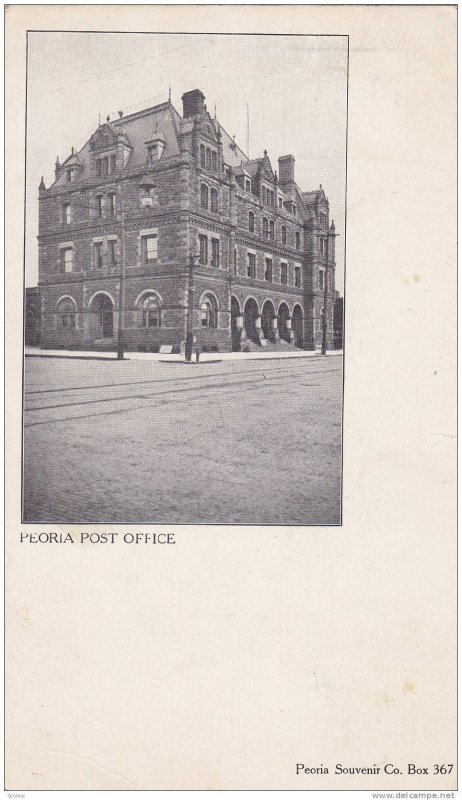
(193, 103)
(286, 169)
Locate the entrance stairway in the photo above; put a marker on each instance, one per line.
(252, 347)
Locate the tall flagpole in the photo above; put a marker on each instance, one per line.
(248, 131)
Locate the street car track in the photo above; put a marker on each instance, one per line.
(157, 381)
(172, 395)
(280, 375)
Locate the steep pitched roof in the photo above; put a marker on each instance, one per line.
(144, 126)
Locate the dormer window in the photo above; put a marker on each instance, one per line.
(105, 166)
(69, 175)
(155, 150)
(323, 219)
(248, 186)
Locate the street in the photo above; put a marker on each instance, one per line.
(228, 442)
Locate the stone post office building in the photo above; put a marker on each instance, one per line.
(161, 223)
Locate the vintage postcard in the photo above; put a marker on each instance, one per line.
(231, 417)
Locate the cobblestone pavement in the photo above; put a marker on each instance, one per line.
(251, 442)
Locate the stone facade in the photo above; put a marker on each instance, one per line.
(161, 225)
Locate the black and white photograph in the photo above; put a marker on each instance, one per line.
(231, 411)
(184, 278)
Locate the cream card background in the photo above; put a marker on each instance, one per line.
(224, 660)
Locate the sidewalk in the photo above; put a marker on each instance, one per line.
(204, 357)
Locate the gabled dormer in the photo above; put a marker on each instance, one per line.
(265, 182)
(70, 170)
(109, 150)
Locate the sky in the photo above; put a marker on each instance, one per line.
(295, 88)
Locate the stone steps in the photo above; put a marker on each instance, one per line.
(252, 347)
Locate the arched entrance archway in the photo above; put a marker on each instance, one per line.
(297, 323)
(283, 316)
(251, 314)
(267, 315)
(102, 317)
(235, 332)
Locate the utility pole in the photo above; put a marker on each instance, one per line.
(121, 326)
(326, 296)
(190, 310)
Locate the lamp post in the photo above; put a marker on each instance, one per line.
(193, 262)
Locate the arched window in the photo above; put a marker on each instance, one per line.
(151, 312)
(214, 200)
(204, 196)
(265, 228)
(202, 155)
(66, 314)
(209, 312)
(284, 234)
(297, 240)
(214, 160)
(209, 158)
(271, 229)
(251, 221)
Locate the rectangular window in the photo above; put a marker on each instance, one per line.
(214, 160)
(112, 252)
(99, 206)
(202, 155)
(323, 246)
(203, 249)
(209, 158)
(235, 261)
(98, 250)
(251, 265)
(111, 204)
(67, 259)
(321, 279)
(112, 164)
(271, 229)
(67, 213)
(215, 262)
(268, 269)
(297, 278)
(150, 243)
(284, 274)
(280, 202)
(248, 186)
